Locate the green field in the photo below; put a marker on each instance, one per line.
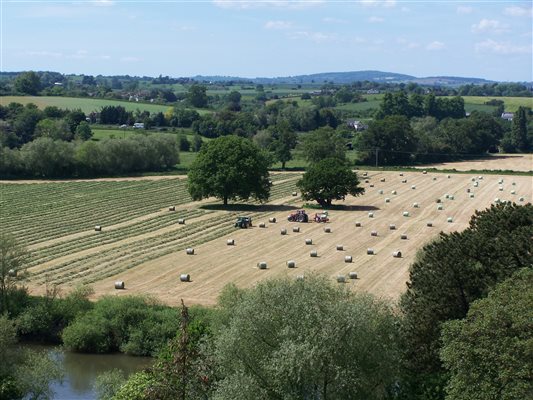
(511, 103)
(86, 105)
(105, 132)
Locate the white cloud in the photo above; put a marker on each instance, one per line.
(43, 53)
(489, 25)
(515, 11)
(464, 10)
(278, 25)
(103, 3)
(130, 59)
(378, 3)
(78, 55)
(317, 37)
(406, 44)
(435, 45)
(246, 4)
(375, 20)
(491, 46)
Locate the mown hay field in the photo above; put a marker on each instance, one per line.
(142, 243)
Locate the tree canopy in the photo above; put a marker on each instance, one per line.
(327, 180)
(323, 143)
(489, 353)
(230, 168)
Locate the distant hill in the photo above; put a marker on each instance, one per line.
(352, 76)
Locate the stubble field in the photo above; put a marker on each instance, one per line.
(142, 243)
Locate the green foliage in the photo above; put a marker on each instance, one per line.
(323, 143)
(13, 259)
(184, 143)
(34, 375)
(229, 168)
(83, 131)
(135, 387)
(54, 129)
(327, 180)
(394, 138)
(490, 352)
(108, 384)
(330, 343)
(197, 96)
(28, 83)
(283, 141)
(8, 337)
(517, 140)
(133, 325)
(457, 269)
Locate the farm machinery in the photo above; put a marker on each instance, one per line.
(298, 216)
(243, 222)
(322, 217)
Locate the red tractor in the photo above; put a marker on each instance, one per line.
(298, 216)
(322, 217)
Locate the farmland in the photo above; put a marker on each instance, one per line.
(143, 244)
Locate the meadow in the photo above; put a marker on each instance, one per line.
(143, 244)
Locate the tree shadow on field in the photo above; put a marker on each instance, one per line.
(342, 207)
(249, 207)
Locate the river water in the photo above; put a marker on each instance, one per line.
(81, 371)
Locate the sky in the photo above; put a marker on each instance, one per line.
(483, 39)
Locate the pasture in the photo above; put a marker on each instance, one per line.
(142, 243)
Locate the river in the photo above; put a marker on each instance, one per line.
(81, 371)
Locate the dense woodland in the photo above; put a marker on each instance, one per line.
(460, 331)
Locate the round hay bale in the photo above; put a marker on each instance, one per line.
(262, 225)
(370, 215)
(291, 264)
(295, 193)
(358, 224)
(500, 188)
(387, 200)
(448, 176)
(296, 229)
(120, 285)
(401, 173)
(313, 253)
(230, 242)
(262, 265)
(467, 190)
(413, 187)
(405, 213)
(480, 177)
(382, 180)
(471, 195)
(370, 252)
(283, 231)
(190, 251)
(429, 223)
(416, 205)
(438, 201)
(403, 237)
(374, 233)
(404, 180)
(371, 185)
(434, 178)
(397, 254)
(352, 275)
(452, 197)
(440, 207)
(181, 221)
(270, 182)
(449, 219)
(365, 173)
(347, 259)
(476, 184)
(513, 191)
(393, 192)
(424, 172)
(12, 273)
(327, 229)
(496, 200)
(185, 278)
(367, 181)
(500, 181)
(308, 241)
(447, 196)
(172, 208)
(521, 199)
(341, 279)
(392, 227)
(98, 228)
(340, 247)
(473, 179)
(299, 277)
(513, 183)
(380, 191)
(272, 220)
